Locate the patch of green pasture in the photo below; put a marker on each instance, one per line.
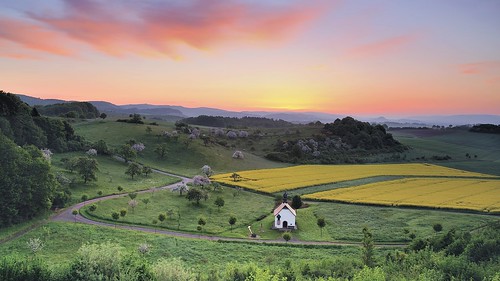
(245, 206)
(62, 240)
(456, 143)
(390, 224)
(111, 174)
(8, 232)
(183, 157)
(324, 187)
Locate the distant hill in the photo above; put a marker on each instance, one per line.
(174, 112)
(69, 110)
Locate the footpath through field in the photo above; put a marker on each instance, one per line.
(67, 216)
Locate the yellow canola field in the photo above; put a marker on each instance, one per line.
(471, 194)
(280, 179)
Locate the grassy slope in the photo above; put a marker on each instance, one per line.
(180, 159)
(455, 143)
(62, 240)
(111, 174)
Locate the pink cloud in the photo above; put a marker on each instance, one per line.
(29, 36)
(382, 47)
(479, 67)
(160, 28)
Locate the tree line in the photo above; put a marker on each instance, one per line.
(234, 122)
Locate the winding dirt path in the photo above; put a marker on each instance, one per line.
(67, 216)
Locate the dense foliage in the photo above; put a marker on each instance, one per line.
(233, 122)
(70, 110)
(26, 185)
(486, 128)
(343, 141)
(24, 125)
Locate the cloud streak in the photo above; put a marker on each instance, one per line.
(479, 67)
(382, 47)
(154, 28)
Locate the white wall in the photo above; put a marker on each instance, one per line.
(286, 215)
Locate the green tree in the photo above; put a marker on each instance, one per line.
(133, 170)
(202, 222)
(194, 194)
(148, 130)
(115, 216)
(74, 212)
(161, 150)
(296, 202)
(103, 116)
(162, 217)
(87, 168)
(123, 212)
(437, 227)
(146, 170)
(368, 246)
(321, 223)
(219, 202)
(146, 202)
(92, 208)
(287, 236)
(126, 152)
(132, 195)
(232, 221)
(236, 177)
(27, 185)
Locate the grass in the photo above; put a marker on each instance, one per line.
(456, 143)
(8, 232)
(389, 224)
(62, 240)
(181, 158)
(246, 206)
(111, 174)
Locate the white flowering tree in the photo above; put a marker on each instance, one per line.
(138, 147)
(207, 171)
(243, 134)
(91, 152)
(238, 155)
(46, 153)
(231, 135)
(201, 181)
(181, 187)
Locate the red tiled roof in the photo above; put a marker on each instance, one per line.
(284, 205)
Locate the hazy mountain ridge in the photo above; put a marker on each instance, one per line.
(290, 116)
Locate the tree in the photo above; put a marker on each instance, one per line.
(321, 223)
(133, 170)
(146, 202)
(238, 155)
(232, 221)
(162, 217)
(219, 202)
(202, 222)
(287, 236)
(202, 181)
(35, 245)
(437, 227)
(120, 189)
(126, 152)
(132, 195)
(115, 216)
(146, 170)
(194, 194)
(92, 208)
(207, 171)
(74, 213)
(123, 212)
(103, 116)
(368, 247)
(87, 168)
(182, 187)
(148, 130)
(296, 202)
(133, 203)
(236, 177)
(161, 150)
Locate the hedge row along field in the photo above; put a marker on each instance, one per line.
(289, 178)
(469, 194)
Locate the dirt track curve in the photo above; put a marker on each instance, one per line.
(66, 215)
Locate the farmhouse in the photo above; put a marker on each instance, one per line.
(284, 217)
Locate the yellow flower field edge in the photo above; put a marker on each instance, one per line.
(289, 178)
(442, 193)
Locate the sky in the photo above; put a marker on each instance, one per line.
(359, 57)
